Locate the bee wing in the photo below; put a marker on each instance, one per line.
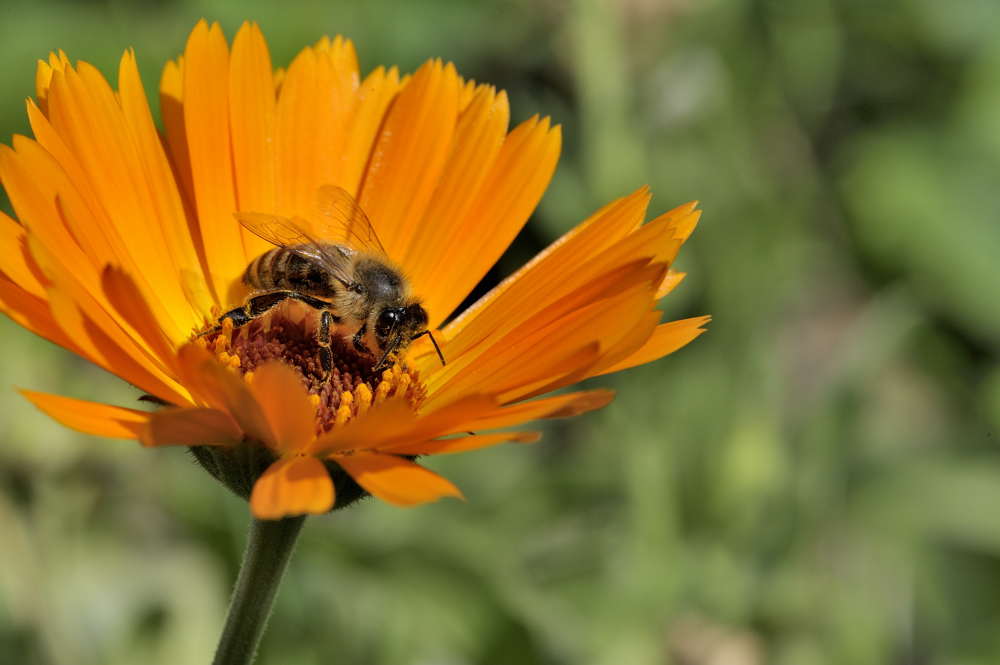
(344, 218)
(293, 236)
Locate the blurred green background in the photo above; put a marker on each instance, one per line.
(814, 481)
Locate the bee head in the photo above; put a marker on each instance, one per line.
(395, 327)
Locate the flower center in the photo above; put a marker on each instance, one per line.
(352, 387)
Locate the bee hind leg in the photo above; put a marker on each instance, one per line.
(238, 316)
(259, 305)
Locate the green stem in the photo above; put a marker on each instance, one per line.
(270, 544)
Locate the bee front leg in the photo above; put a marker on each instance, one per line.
(323, 337)
(359, 340)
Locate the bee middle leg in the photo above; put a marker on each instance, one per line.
(323, 338)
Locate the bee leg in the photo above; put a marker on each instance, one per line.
(238, 316)
(323, 337)
(257, 306)
(359, 340)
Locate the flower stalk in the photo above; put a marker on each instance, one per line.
(270, 544)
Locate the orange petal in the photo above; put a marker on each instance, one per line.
(544, 305)
(283, 399)
(30, 176)
(519, 177)
(475, 146)
(670, 283)
(374, 96)
(34, 314)
(628, 344)
(558, 406)
(90, 417)
(172, 112)
(395, 423)
(531, 353)
(190, 427)
(383, 421)
(396, 480)
(206, 124)
(314, 107)
(57, 174)
(436, 422)
(668, 338)
(251, 117)
(174, 218)
(224, 389)
(100, 332)
(15, 259)
(684, 219)
(292, 486)
(410, 153)
(566, 258)
(43, 76)
(463, 444)
(85, 112)
(124, 296)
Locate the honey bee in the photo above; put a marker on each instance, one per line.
(359, 292)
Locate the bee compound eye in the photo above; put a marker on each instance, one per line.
(386, 320)
(417, 314)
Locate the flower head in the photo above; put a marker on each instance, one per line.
(127, 249)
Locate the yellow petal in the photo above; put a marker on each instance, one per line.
(190, 427)
(292, 486)
(90, 417)
(396, 480)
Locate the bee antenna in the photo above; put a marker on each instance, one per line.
(434, 342)
(385, 356)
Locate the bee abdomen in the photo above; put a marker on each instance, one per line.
(280, 268)
(264, 272)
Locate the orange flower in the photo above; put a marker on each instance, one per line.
(127, 247)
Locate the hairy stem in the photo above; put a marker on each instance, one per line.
(270, 544)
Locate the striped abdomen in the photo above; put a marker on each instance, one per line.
(282, 269)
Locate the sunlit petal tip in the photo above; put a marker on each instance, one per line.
(292, 486)
(397, 480)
